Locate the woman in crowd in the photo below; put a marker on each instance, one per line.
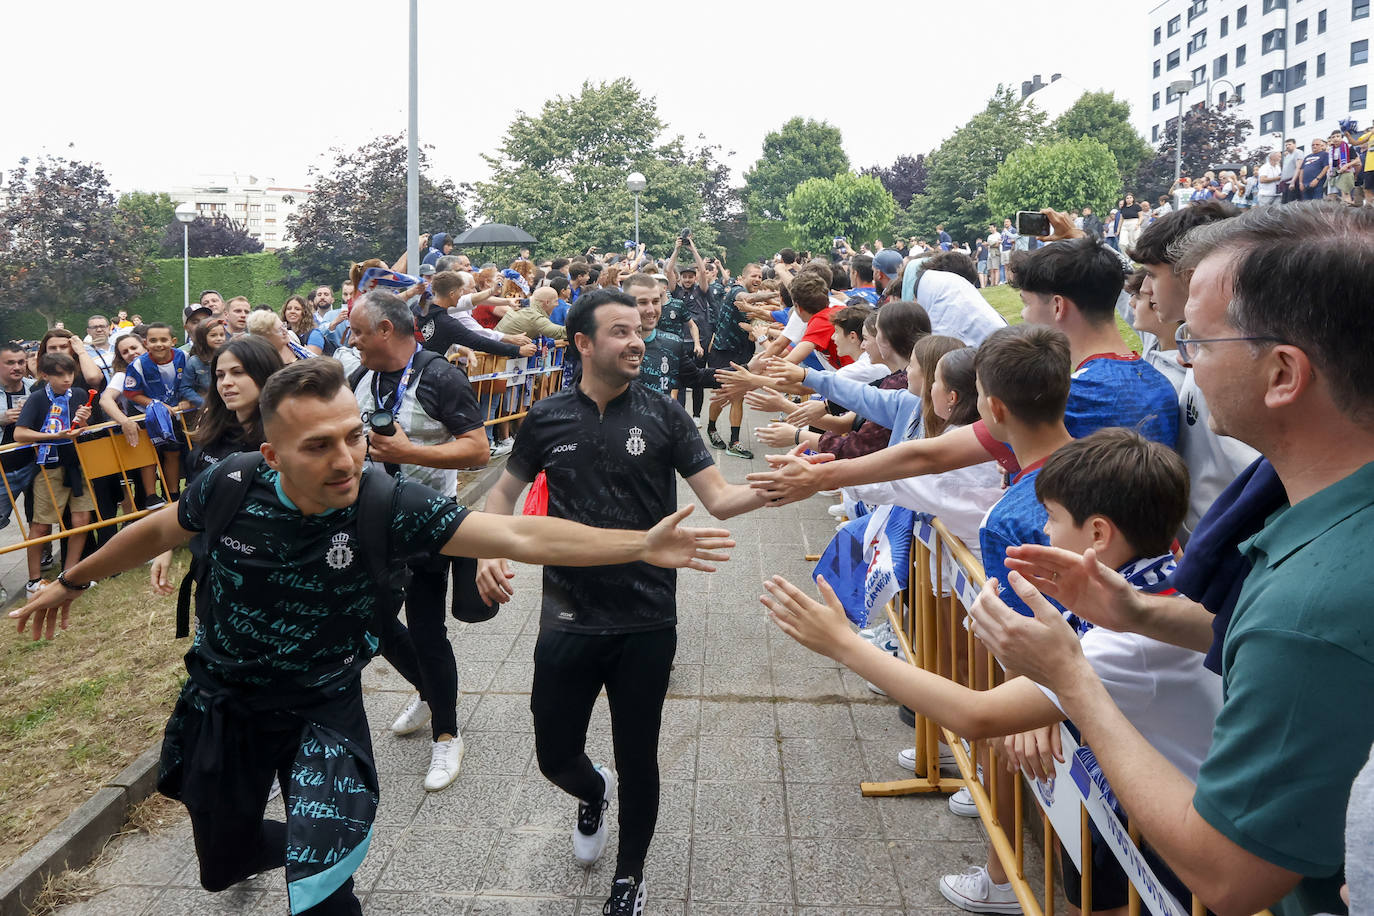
(208, 337)
(1130, 213)
(300, 322)
(127, 348)
(60, 340)
(268, 325)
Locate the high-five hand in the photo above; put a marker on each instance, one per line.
(671, 546)
(48, 609)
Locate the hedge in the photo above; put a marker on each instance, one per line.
(766, 237)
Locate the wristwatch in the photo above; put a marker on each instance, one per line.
(62, 581)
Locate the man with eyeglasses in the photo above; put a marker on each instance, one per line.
(98, 342)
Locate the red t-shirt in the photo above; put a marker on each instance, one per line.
(821, 332)
(486, 315)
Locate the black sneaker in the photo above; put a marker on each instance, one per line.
(714, 438)
(627, 898)
(48, 558)
(154, 502)
(738, 451)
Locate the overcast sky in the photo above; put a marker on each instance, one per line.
(161, 92)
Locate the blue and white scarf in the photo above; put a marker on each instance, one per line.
(1148, 574)
(59, 420)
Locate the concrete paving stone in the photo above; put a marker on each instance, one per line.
(399, 796)
(113, 901)
(502, 712)
(540, 805)
(676, 798)
(691, 648)
(475, 677)
(881, 757)
(684, 680)
(497, 754)
(736, 681)
(879, 721)
(784, 653)
(385, 840)
(185, 901)
(142, 858)
(712, 908)
(822, 760)
(808, 684)
(600, 723)
(523, 647)
(472, 801)
(681, 716)
(511, 618)
(752, 718)
(438, 861)
(537, 863)
(409, 904)
(379, 675)
(735, 652)
(741, 869)
(925, 816)
(665, 869)
(405, 756)
(513, 677)
(739, 808)
(830, 810)
(921, 865)
(815, 720)
(483, 905)
(722, 758)
(840, 872)
(741, 623)
(677, 757)
(483, 647)
(856, 688)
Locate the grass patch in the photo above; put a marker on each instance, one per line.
(76, 710)
(1008, 303)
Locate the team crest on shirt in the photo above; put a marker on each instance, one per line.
(340, 555)
(663, 366)
(635, 444)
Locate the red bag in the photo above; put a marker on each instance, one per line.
(537, 501)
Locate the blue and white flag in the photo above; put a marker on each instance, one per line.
(867, 561)
(384, 278)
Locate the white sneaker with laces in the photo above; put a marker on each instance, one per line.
(878, 633)
(444, 760)
(906, 758)
(33, 587)
(503, 447)
(876, 689)
(837, 511)
(961, 804)
(590, 832)
(975, 892)
(414, 717)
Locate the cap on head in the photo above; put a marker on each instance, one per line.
(888, 261)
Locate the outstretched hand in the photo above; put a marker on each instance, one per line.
(822, 628)
(672, 546)
(791, 477)
(48, 611)
(1083, 584)
(1043, 648)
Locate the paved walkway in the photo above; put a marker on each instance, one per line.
(763, 747)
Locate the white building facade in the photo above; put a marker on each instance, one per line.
(259, 204)
(1294, 68)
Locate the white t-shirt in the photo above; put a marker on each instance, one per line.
(1166, 361)
(463, 312)
(1269, 188)
(863, 370)
(1164, 690)
(795, 329)
(1213, 461)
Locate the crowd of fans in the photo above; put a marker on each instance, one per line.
(1173, 538)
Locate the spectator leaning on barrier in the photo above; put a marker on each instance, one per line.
(533, 320)
(18, 465)
(1277, 331)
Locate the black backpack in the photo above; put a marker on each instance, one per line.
(376, 495)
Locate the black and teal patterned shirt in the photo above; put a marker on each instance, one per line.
(674, 318)
(730, 337)
(664, 354)
(291, 596)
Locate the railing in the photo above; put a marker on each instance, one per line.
(506, 387)
(102, 452)
(928, 621)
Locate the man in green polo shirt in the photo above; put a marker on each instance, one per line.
(1277, 332)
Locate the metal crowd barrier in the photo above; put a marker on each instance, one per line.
(506, 387)
(102, 451)
(928, 621)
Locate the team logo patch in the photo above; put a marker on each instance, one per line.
(635, 444)
(340, 555)
(663, 366)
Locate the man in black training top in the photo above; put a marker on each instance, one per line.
(611, 452)
(289, 615)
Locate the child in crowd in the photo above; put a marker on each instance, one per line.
(50, 412)
(161, 375)
(1124, 497)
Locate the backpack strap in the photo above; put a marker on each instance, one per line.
(228, 488)
(376, 510)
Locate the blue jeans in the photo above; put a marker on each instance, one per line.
(18, 481)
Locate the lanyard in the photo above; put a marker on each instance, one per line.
(401, 386)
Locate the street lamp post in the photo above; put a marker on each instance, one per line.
(636, 183)
(1179, 88)
(185, 214)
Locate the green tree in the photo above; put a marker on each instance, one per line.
(1063, 174)
(958, 172)
(1211, 137)
(1104, 117)
(802, 149)
(358, 211)
(560, 175)
(148, 214)
(65, 251)
(822, 209)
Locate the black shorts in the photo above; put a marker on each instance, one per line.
(721, 359)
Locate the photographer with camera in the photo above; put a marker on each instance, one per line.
(689, 285)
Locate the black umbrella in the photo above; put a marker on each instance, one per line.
(494, 234)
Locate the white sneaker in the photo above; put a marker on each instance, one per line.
(906, 758)
(414, 717)
(444, 760)
(875, 634)
(975, 892)
(830, 493)
(876, 689)
(503, 447)
(837, 511)
(33, 587)
(590, 832)
(961, 804)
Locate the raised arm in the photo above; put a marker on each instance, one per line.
(721, 499)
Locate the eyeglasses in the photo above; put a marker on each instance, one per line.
(1188, 344)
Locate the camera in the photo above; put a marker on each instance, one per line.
(685, 235)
